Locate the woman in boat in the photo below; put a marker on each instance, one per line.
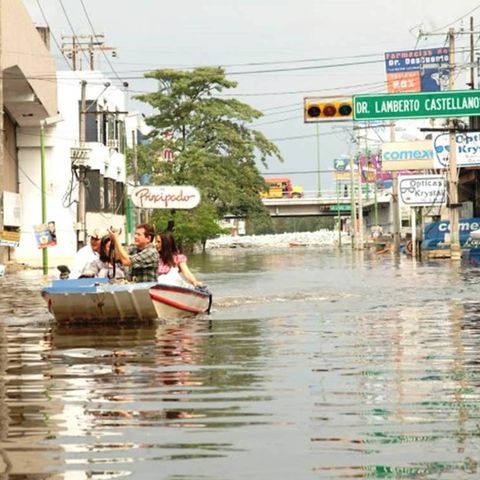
(173, 263)
(105, 265)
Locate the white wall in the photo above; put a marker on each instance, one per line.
(61, 185)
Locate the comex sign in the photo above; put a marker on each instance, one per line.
(420, 190)
(416, 155)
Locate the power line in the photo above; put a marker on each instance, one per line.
(93, 31)
(51, 33)
(71, 26)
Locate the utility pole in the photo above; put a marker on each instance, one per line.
(455, 251)
(353, 207)
(74, 45)
(135, 169)
(82, 233)
(360, 206)
(319, 188)
(395, 204)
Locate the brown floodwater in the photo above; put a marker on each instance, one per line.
(314, 364)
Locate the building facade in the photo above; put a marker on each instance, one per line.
(98, 163)
(28, 96)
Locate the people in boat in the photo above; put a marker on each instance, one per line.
(88, 253)
(142, 258)
(173, 263)
(105, 265)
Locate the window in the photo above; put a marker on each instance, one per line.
(91, 133)
(109, 195)
(93, 191)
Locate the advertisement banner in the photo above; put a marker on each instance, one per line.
(423, 70)
(468, 149)
(9, 238)
(398, 156)
(434, 233)
(422, 190)
(45, 235)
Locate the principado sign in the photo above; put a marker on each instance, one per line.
(453, 103)
(420, 190)
(165, 196)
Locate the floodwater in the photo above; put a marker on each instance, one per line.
(314, 364)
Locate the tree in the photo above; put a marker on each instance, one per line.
(214, 149)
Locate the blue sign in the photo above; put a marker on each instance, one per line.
(422, 70)
(435, 232)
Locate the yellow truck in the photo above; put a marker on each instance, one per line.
(281, 187)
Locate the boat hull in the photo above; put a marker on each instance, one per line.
(96, 299)
(174, 301)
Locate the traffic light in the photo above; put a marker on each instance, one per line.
(327, 110)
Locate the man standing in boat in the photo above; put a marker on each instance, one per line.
(143, 257)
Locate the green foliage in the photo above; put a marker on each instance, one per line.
(303, 224)
(191, 226)
(214, 148)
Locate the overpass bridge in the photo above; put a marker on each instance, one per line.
(328, 204)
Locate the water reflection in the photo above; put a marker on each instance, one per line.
(312, 365)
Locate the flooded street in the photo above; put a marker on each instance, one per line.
(314, 364)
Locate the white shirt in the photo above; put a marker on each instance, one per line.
(83, 257)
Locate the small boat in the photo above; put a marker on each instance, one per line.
(98, 299)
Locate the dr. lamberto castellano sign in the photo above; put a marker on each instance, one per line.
(453, 103)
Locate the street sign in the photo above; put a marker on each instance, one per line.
(420, 190)
(453, 103)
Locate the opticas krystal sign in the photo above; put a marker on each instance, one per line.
(165, 196)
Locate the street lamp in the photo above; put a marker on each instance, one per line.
(43, 123)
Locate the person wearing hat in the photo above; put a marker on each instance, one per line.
(87, 254)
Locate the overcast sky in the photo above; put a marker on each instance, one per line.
(296, 42)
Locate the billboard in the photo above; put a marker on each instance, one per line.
(468, 149)
(422, 190)
(423, 70)
(416, 155)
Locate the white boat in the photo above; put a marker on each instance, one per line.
(97, 299)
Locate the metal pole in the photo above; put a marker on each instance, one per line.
(413, 224)
(395, 203)
(360, 208)
(135, 171)
(82, 234)
(455, 250)
(338, 216)
(353, 210)
(319, 188)
(44, 192)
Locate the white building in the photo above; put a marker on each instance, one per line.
(105, 167)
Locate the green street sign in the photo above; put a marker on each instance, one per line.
(452, 103)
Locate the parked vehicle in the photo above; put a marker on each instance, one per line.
(282, 187)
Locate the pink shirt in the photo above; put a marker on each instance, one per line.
(163, 268)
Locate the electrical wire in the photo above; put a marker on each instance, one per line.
(53, 36)
(71, 28)
(93, 31)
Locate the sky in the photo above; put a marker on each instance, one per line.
(279, 51)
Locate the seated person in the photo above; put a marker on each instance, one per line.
(87, 254)
(173, 263)
(105, 265)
